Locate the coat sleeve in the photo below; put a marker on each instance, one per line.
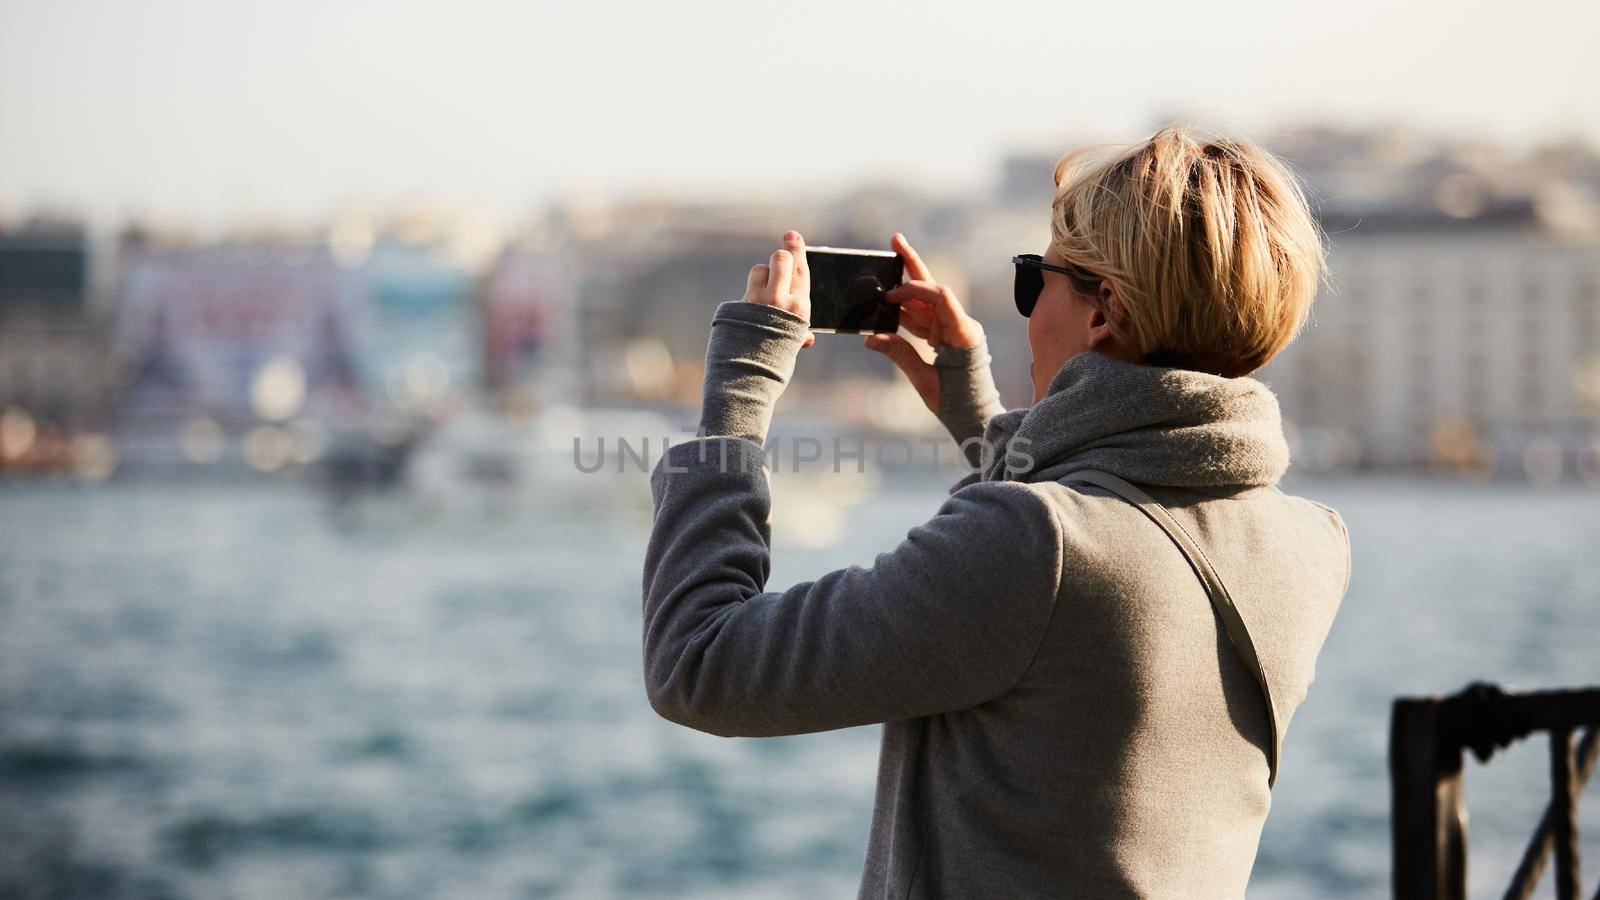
(949, 619)
(967, 396)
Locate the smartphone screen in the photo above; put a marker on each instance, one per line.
(847, 288)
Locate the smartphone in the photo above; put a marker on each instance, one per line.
(847, 288)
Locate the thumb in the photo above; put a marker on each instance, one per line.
(895, 347)
(918, 371)
(901, 351)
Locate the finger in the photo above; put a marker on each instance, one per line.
(939, 299)
(901, 351)
(879, 342)
(781, 276)
(916, 269)
(796, 245)
(908, 302)
(917, 318)
(920, 318)
(756, 282)
(810, 339)
(915, 326)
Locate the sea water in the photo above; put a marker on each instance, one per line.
(233, 691)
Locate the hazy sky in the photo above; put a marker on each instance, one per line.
(215, 110)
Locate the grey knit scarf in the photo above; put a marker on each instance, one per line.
(1148, 424)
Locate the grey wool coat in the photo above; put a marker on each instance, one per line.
(1063, 715)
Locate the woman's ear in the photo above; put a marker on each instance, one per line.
(1107, 320)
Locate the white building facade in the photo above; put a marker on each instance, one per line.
(1468, 348)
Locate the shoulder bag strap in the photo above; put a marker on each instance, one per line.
(1221, 600)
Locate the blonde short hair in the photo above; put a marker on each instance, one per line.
(1209, 244)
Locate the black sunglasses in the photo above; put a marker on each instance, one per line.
(1030, 279)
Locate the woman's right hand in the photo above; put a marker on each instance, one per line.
(930, 311)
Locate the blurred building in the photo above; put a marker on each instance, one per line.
(267, 349)
(52, 343)
(418, 329)
(1461, 326)
(526, 300)
(55, 376)
(235, 353)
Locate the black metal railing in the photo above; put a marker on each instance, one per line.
(1426, 738)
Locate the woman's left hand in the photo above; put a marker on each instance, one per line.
(784, 281)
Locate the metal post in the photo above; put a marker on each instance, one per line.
(1428, 821)
(1564, 802)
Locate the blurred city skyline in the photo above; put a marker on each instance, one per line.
(1459, 332)
(287, 113)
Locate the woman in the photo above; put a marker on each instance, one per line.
(1085, 661)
